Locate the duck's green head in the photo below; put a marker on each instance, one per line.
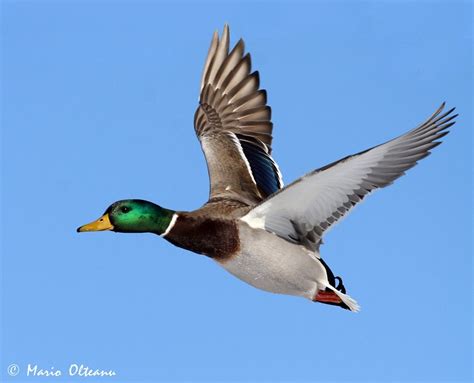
(132, 216)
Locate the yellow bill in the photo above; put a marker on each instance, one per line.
(103, 223)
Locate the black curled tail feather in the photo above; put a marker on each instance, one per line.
(332, 281)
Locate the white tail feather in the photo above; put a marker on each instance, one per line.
(351, 303)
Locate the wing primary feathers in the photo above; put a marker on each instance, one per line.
(315, 202)
(209, 59)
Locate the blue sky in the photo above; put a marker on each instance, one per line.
(97, 105)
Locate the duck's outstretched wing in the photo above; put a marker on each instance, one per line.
(233, 125)
(305, 209)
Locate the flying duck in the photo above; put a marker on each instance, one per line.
(263, 232)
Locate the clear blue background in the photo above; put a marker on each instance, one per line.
(97, 105)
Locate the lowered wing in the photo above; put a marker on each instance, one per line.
(305, 209)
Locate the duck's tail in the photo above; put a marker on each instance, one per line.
(332, 296)
(347, 300)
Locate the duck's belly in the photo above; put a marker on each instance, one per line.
(270, 263)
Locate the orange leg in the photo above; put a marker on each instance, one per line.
(327, 297)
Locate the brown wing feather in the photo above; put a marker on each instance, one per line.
(230, 105)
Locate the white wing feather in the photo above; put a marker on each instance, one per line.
(302, 211)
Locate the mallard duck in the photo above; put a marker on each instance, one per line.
(264, 233)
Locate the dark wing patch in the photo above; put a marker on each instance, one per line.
(264, 169)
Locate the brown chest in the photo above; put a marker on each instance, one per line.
(216, 238)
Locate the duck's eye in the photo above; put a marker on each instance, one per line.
(124, 209)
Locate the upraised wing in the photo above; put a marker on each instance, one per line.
(305, 209)
(233, 125)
